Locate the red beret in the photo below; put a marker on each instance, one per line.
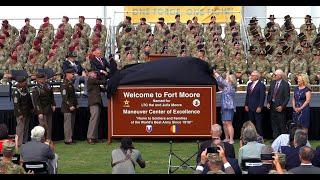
(71, 48)
(36, 42)
(51, 54)
(6, 33)
(30, 56)
(38, 48)
(45, 19)
(54, 46)
(65, 17)
(61, 25)
(27, 19)
(2, 37)
(82, 17)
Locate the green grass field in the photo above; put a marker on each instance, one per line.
(83, 158)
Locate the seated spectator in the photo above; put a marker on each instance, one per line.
(306, 154)
(216, 132)
(316, 159)
(233, 162)
(249, 124)
(36, 149)
(292, 152)
(215, 162)
(286, 139)
(4, 136)
(53, 163)
(252, 149)
(124, 159)
(270, 164)
(6, 164)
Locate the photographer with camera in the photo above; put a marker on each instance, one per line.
(228, 86)
(216, 160)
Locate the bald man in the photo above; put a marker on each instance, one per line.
(277, 100)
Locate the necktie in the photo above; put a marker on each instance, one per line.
(251, 87)
(275, 90)
(100, 61)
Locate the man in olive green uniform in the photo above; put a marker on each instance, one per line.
(6, 164)
(123, 24)
(252, 56)
(297, 66)
(11, 64)
(239, 67)
(280, 63)
(23, 108)
(307, 21)
(94, 103)
(86, 27)
(272, 27)
(68, 105)
(315, 68)
(262, 66)
(220, 62)
(174, 46)
(44, 103)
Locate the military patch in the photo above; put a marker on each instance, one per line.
(64, 92)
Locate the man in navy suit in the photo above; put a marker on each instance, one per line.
(104, 68)
(256, 93)
(80, 74)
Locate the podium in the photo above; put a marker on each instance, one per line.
(153, 57)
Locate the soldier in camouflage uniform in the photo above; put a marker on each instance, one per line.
(144, 55)
(310, 32)
(123, 24)
(4, 54)
(252, 56)
(174, 46)
(163, 24)
(271, 40)
(198, 26)
(221, 63)
(30, 28)
(280, 63)
(286, 53)
(270, 53)
(55, 65)
(23, 108)
(253, 26)
(272, 27)
(48, 31)
(153, 44)
(239, 67)
(216, 27)
(128, 61)
(86, 27)
(13, 31)
(11, 64)
(262, 65)
(314, 68)
(233, 23)
(180, 28)
(6, 164)
(303, 27)
(297, 66)
(33, 64)
(67, 27)
(287, 22)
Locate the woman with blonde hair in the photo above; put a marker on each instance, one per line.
(300, 102)
(228, 107)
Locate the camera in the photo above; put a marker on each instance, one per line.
(267, 156)
(212, 150)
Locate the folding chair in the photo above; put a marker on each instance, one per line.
(37, 167)
(184, 163)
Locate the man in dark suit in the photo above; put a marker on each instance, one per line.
(278, 98)
(216, 132)
(80, 74)
(256, 92)
(316, 159)
(104, 68)
(306, 155)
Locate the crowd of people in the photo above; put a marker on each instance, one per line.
(274, 47)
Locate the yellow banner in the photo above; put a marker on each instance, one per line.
(204, 13)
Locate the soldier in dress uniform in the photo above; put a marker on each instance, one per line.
(44, 103)
(23, 108)
(69, 105)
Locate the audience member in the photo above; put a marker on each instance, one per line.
(36, 149)
(124, 159)
(6, 164)
(252, 149)
(216, 132)
(286, 139)
(316, 159)
(249, 124)
(215, 162)
(292, 152)
(306, 154)
(4, 136)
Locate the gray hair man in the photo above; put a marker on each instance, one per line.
(277, 101)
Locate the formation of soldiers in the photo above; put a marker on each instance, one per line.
(271, 47)
(30, 50)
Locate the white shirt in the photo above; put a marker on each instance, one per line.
(282, 140)
(253, 84)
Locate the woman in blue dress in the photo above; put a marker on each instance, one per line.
(300, 102)
(228, 107)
